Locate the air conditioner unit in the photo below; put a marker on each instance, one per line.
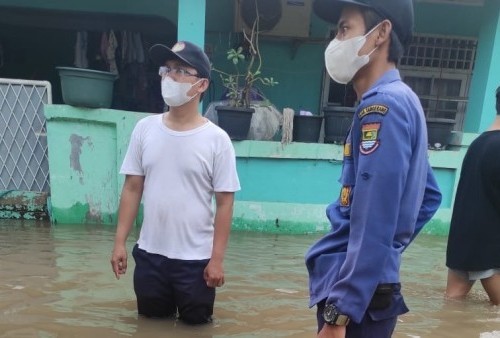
(289, 18)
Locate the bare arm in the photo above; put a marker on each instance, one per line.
(129, 205)
(214, 272)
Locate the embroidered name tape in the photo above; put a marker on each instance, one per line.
(373, 109)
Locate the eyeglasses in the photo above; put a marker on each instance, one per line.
(166, 70)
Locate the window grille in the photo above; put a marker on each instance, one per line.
(23, 141)
(441, 52)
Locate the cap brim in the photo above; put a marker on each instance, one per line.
(159, 54)
(330, 10)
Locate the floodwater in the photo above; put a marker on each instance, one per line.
(57, 282)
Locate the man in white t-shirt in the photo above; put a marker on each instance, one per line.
(177, 162)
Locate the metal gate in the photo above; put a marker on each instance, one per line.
(23, 140)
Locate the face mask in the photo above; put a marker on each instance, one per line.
(175, 93)
(342, 60)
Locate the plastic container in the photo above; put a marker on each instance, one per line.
(337, 122)
(86, 87)
(439, 132)
(306, 128)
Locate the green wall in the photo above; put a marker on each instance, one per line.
(481, 110)
(285, 188)
(289, 181)
(448, 19)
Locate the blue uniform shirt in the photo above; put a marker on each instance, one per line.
(388, 193)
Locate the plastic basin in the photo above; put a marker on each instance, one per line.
(86, 87)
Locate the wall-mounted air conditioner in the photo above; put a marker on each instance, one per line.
(290, 18)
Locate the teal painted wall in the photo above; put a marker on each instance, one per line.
(288, 180)
(86, 147)
(289, 185)
(448, 19)
(481, 109)
(446, 178)
(191, 21)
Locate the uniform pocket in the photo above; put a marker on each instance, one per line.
(382, 298)
(387, 302)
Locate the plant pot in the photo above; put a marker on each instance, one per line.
(306, 128)
(86, 87)
(439, 132)
(337, 123)
(235, 121)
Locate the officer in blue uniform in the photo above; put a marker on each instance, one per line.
(388, 189)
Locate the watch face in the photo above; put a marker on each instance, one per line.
(330, 313)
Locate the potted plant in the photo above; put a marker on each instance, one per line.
(235, 117)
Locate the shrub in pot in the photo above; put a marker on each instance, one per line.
(235, 117)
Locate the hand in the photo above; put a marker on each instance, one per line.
(119, 261)
(214, 274)
(332, 331)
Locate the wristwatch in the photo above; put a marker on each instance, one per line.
(332, 316)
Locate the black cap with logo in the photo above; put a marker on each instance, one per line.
(399, 12)
(184, 51)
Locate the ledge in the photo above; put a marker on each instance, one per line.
(294, 150)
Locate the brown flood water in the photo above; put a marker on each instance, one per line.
(57, 282)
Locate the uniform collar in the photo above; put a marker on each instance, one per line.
(388, 77)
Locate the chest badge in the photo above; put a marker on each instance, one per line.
(369, 138)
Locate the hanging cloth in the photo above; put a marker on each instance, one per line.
(81, 60)
(110, 52)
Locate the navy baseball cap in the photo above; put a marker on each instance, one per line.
(184, 51)
(399, 12)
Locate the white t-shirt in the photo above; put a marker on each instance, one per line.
(182, 171)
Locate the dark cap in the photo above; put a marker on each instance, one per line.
(399, 12)
(184, 51)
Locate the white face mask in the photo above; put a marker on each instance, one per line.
(175, 93)
(342, 59)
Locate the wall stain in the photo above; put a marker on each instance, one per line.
(94, 214)
(76, 142)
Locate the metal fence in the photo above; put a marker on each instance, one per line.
(23, 140)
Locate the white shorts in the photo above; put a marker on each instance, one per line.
(475, 275)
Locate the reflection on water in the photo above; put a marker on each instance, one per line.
(57, 282)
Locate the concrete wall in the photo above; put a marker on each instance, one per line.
(284, 188)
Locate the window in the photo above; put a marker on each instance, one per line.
(439, 69)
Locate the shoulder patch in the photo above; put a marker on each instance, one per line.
(369, 138)
(373, 109)
(347, 150)
(345, 196)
